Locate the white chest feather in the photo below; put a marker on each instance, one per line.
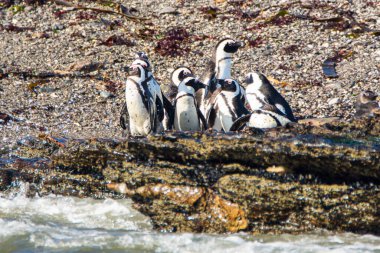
(186, 116)
(225, 114)
(139, 117)
(223, 69)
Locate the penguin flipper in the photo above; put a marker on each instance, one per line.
(124, 118)
(240, 123)
(170, 110)
(160, 109)
(153, 115)
(211, 117)
(202, 119)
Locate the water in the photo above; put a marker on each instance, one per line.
(68, 224)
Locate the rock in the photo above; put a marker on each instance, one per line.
(85, 66)
(168, 10)
(324, 177)
(58, 27)
(333, 101)
(106, 94)
(318, 121)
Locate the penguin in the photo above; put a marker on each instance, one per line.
(187, 116)
(367, 105)
(178, 75)
(225, 106)
(265, 118)
(143, 112)
(142, 59)
(260, 92)
(219, 67)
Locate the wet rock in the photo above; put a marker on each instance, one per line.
(285, 180)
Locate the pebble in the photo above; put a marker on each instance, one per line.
(106, 94)
(333, 101)
(308, 91)
(168, 10)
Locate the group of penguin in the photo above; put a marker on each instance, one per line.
(214, 101)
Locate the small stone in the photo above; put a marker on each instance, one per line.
(325, 45)
(333, 101)
(58, 27)
(168, 10)
(106, 94)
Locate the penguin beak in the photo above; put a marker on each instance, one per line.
(232, 47)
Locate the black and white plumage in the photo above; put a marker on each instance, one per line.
(260, 92)
(262, 118)
(187, 116)
(367, 105)
(143, 111)
(219, 67)
(181, 73)
(142, 59)
(225, 106)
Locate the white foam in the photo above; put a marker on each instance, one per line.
(67, 224)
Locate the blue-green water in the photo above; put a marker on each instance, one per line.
(67, 224)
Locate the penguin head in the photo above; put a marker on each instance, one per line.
(227, 46)
(142, 59)
(229, 85)
(179, 74)
(138, 71)
(190, 85)
(255, 80)
(367, 96)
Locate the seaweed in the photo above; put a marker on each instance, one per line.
(146, 32)
(290, 49)
(116, 40)
(255, 42)
(35, 2)
(236, 2)
(59, 14)
(240, 14)
(209, 12)
(82, 15)
(172, 43)
(12, 28)
(5, 118)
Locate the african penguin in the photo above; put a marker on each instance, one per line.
(367, 105)
(143, 112)
(225, 106)
(187, 115)
(219, 67)
(260, 92)
(262, 118)
(142, 59)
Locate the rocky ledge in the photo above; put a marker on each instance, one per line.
(287, 180)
